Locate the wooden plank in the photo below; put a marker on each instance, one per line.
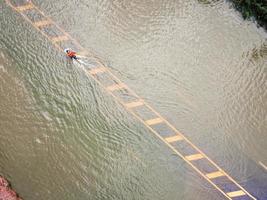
(42, 23)
(236, 193)
(116, 87)
(194, 157)
(60, 38)
(215, 174)
(98, 70)
(83, 53)
(134, 104)
(173, 138)
(264, 166)
(154, 121)
(26, 7)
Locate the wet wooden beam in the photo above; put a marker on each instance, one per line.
(134, 104)
(236, 193)
(25, 7)
(215, 174)
(173, 138)
(83, 53)
(154, 121)
(116, 87)
(98, 70)
(194, 157)
(42, 23)
(59, 38)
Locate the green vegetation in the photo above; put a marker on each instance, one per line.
(253, 9)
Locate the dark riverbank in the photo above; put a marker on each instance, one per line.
(6, 193)
(250, 9)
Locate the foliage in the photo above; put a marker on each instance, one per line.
(253, 9)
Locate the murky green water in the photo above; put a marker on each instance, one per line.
(199, 64)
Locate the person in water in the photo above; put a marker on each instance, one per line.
(71, 54)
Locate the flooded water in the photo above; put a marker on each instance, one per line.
(196, 62)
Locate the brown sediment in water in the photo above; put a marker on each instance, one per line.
(6, 192)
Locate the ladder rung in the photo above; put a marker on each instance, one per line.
(215, 174)
(26, 7)
(59, 38)
(194, 157)
(236, 193)
(98, 70)
(173, 138)
(42, 23)
(83, 53)
(134, 104)
(154, 121)
(116, 87)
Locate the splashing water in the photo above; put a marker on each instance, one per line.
(85, 63)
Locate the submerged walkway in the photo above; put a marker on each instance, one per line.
(135, 105)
